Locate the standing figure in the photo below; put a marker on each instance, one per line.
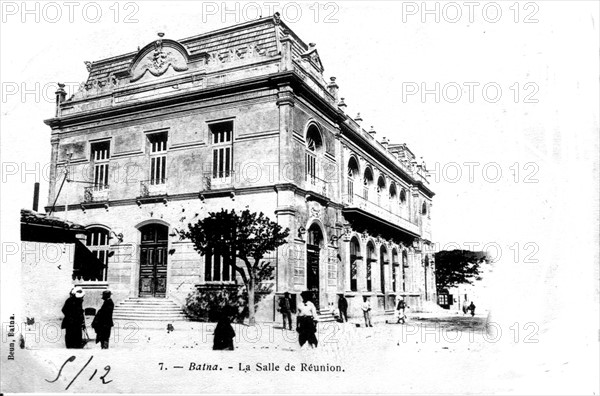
(306, 324)
(224, 333)
(103, 321)
(74, 321)
(472, 308)
(366, 308)
(401, 308)
(343, 307)
(285, 307)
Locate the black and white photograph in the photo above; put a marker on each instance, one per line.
(300, 197)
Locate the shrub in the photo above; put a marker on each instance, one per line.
(205, 304)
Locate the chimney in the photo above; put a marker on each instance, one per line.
(61, 94)
(333, 88)
(36, 196)
(372, 132)
(358, 119)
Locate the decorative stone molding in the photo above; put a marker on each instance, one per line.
(156, 58)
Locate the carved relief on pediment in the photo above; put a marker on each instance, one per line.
(157, 58)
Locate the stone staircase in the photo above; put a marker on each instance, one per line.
(151, 309)
(326, 315)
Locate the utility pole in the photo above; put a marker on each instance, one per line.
(66, 179)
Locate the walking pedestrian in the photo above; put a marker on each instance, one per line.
(285, 307)
(74, 321)
(103, 321)
(224, 333)
(343, 308)
(306, 324)
(472, 308)
(366, 308)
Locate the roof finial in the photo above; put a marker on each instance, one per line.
(161, 34)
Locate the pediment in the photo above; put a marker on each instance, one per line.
(312, 56)
(159, 57)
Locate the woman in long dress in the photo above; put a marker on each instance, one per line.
(74, 320)
(306, 321)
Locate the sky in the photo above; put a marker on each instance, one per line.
(499, 98)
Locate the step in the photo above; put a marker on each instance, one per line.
(151, 319)
(148, 312)
(135, 308)
(148, 304)
(147, 315)
(162, 309)
(132, 312)
(148, 309)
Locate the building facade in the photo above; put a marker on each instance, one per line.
(240, 117)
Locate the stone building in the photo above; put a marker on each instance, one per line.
(241, 117)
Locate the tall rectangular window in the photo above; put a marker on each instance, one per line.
(310, 169)
(350, 190)
(98, 243)
(222, 137)
(354, 256)
(158, 158)
(100, 161)
(219, 266)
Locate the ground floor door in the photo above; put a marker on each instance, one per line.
(312, 272)
(153, 261)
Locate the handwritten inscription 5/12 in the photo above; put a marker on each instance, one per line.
(71, 359)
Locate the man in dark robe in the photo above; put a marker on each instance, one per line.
(103, 322)
(285, 307)
(74, 321)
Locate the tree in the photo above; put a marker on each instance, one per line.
(454, 267)
(247, 236)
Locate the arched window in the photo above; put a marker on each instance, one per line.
(402, 196)
(370, 259)
(314, 142)
(95, 266)
(367, 181)
(393, 191)
(380, 188)
(352, 171)
(354, 257)
(315, 236)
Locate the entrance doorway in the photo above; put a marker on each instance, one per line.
(153, 260)
(314, 244)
